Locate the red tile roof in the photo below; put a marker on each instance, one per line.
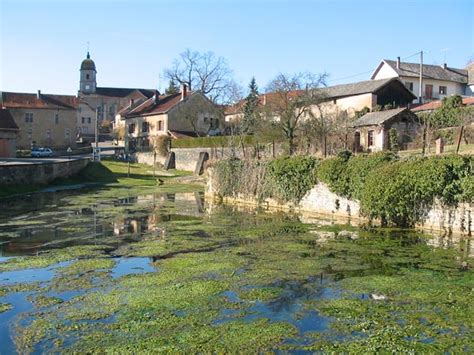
(433, 105)
(45, 101)
(156, 105)
(6, 120)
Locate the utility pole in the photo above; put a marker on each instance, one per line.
(420, 95)
(96, 150)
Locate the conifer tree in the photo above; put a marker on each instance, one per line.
(250, 109)
(172, 88)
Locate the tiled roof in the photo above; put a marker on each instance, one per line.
(376, 118)
(122, 92)
(24, 100)
(437, 72)
(331, 92)
(157, 106)
(6, 120)
(433, 105)
(182, 134)
(358, 88)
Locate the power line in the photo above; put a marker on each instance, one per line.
(369, 71)
(352, 76)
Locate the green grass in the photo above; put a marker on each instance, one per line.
(448, 149)
(106, 172)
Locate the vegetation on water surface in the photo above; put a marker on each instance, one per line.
(232, 296)
(397, 192)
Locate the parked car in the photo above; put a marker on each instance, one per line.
(41, 152)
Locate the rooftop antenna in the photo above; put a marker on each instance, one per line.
(445, 50)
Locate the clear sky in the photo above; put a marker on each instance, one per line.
(131, 42)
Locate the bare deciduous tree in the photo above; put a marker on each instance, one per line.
(290, 101)
(204, 72)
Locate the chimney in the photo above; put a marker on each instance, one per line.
(38, 95)
(131, 102)
(445, 66)
(398, 62)
(184, 91)
(264, 99)
(156, 98)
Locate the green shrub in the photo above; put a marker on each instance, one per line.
(360, 166)
(333, 172)
(285, 179)
(292, 177)
(467, 189)
(402, 192)
(226, 172)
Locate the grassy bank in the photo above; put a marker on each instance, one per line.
(106, 172)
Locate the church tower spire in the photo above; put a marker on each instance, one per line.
(88, 82)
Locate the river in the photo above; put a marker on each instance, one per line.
(119, 270)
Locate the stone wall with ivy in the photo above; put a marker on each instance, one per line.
(435, 192)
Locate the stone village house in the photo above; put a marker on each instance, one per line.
(42, 119)
(372, 131)
(184, 114)
(8, 134)
(350, 97)
(353, 97)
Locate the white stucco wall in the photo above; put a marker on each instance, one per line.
(452, 88)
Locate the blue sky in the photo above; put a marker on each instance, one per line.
(131, 42)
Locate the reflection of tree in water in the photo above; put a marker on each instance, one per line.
(293, 293)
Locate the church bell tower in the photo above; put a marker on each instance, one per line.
(88, 83)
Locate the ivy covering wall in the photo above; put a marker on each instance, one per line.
(397, 192)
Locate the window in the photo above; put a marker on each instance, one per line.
(28, 117)
(111, 109)
(131, 128)
(83, 120)
(429, 91)
(214, 123)
(409, 85)
(84, 129)
(87, 76)
(160, 125)
(443, 90)
(370, 138)
(88, 120)
(145, 127)
(67, 133)
(56, 118)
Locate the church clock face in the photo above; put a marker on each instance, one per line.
(87, 87)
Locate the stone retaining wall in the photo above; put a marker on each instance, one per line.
(186, 158)
(321, 201)
(40, 173)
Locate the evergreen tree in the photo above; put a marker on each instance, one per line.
(250, 109)
(172, 88)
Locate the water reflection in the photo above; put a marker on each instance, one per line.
(49, 220)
